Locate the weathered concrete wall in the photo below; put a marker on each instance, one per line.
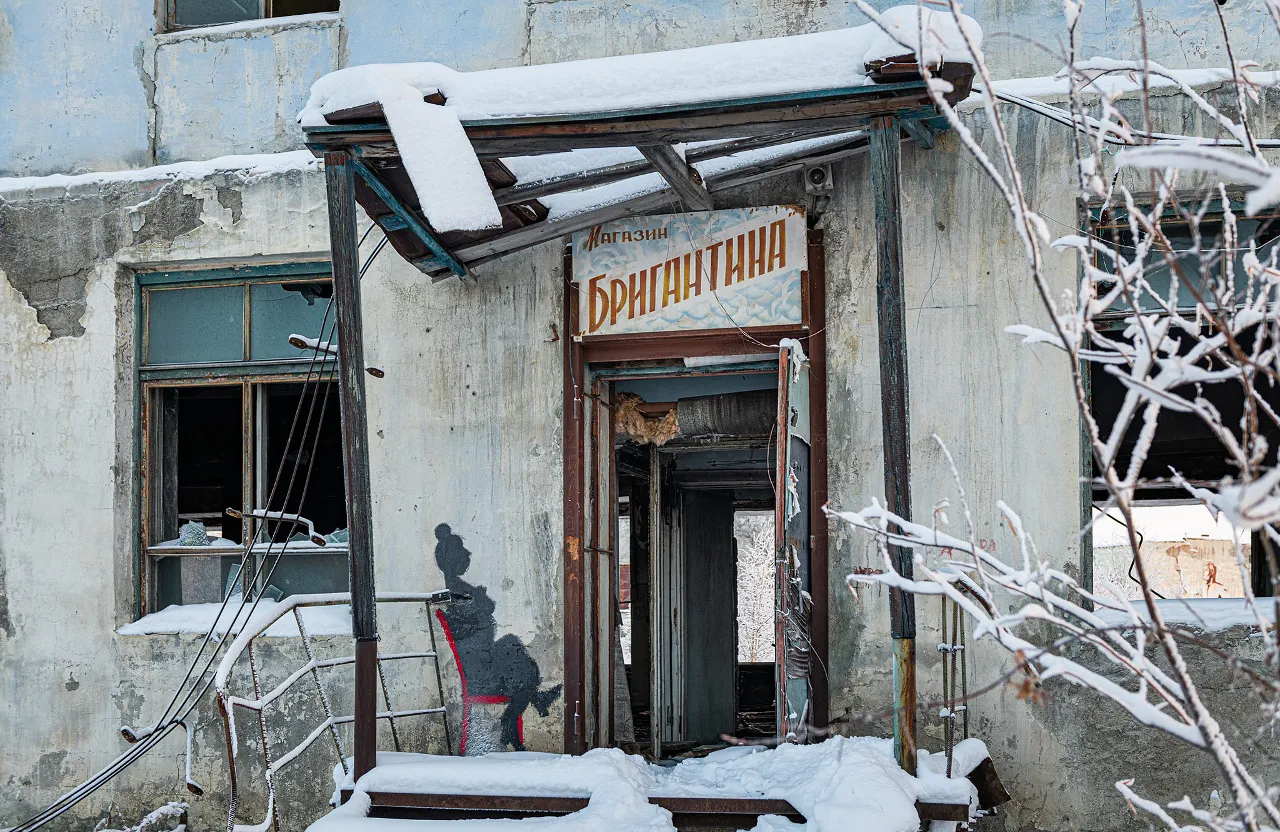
(465, 431)
(76, 80)
(67, 475)
(240, 91)
(90, 86)
(459, 33)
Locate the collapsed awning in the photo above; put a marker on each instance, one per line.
(553, 153)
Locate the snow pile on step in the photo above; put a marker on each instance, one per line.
(443, 167)
(841, 784)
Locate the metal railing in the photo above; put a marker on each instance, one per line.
(952, 648)
(244, 645)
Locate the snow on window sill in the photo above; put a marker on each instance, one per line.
(298, 547)
(1210, 614)
(249, 28)
(198, 619)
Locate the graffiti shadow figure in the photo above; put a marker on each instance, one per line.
(490, 666)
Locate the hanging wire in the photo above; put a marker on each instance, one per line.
(177, 710)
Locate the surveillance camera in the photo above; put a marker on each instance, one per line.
(818, 180)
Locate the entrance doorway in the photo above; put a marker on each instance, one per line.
(699, 549)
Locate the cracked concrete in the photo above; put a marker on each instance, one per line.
(49, 247)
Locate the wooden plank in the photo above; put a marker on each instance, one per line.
(555, 805)
(345, 257)
(847, 110)
(532, 235)
(648, 346)
(958, 812)
(683, 179)
(364, 113)
(626, 170)
(895, 417)
(574, 600)
(816, 348)
(920, 131)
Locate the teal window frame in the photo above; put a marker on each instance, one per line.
(250, 374)
(1099, 225)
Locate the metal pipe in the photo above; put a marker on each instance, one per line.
(345, 257)
(886, 166)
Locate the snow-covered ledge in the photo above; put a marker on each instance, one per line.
(249, 28)
(1208, 614)
(198, 619)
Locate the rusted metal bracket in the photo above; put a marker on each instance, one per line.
(443, 256)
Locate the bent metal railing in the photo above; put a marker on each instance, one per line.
(244, 645)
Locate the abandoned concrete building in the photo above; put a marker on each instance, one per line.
(570, 459)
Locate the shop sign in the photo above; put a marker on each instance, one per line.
(741, 268)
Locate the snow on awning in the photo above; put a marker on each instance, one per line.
(438, 138)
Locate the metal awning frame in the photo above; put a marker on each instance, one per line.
(728, 126)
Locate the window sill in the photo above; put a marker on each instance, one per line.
(198, 619)
(296, 548)
(249, 28)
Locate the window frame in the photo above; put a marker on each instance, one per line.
(252, 376)
(1094, 222)
(169, 17)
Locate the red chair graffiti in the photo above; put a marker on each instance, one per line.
(468, 699)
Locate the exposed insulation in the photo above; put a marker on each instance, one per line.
(629, 420)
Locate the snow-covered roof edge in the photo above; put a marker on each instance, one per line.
(443, 167)
(250, 165)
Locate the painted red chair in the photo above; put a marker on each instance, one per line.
(468, 699)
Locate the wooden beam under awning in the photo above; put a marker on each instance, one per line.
(680, 175)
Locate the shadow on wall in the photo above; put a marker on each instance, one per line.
(494, 671)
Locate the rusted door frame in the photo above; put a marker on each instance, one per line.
(577, 356)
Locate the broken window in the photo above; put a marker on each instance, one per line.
(184, 14)
(230, 410)
(1186, 550)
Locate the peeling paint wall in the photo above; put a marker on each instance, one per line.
(68, 515)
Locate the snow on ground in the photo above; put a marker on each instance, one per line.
(443, 167)
(1200, 613)
(841, 784)
(199, 619)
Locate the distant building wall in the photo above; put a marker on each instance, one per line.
(90, 86)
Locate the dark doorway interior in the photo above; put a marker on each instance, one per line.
(712, 537)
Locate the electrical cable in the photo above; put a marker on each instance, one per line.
(170, 720)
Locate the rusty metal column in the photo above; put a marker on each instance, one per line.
(345, 254)
(894, 408)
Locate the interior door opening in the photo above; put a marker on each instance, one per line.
(696, 558)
